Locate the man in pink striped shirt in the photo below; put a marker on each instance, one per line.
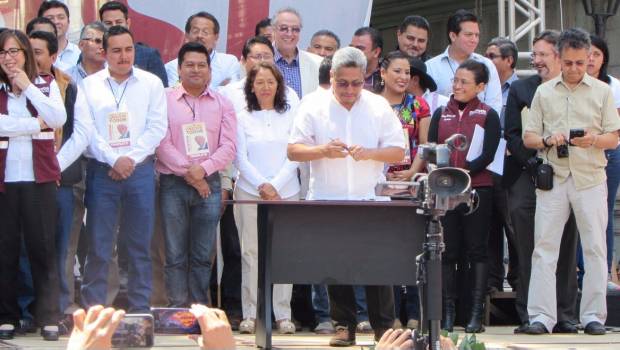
(200, 142)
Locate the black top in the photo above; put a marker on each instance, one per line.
(489, 146)
(520, 95)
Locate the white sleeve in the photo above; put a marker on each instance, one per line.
(16, 126)
(391, 130)
(83, 130)
(303, 131)
(246, 169)
(156, 124)
(51, 109)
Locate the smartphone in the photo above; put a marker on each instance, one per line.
(134, 331)
(576, 133)
(175, 321)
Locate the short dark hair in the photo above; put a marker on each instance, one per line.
(40, 20)
(375, 36)
(114, 31)
(263, 23)
(259, 39)
(49, 38)
(574, 38)
(550, 36)
(324, 71)
(601, 44)
(507, 48)
(205, 15)
(113, 6)
(193, 47)
(480, 70)
(329, 33)
(416, 21)
(52, 4)
(279, 104)
(454, 21)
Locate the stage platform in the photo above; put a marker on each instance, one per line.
(495, 338)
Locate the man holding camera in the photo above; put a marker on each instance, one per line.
(519, 171)
(576, 101)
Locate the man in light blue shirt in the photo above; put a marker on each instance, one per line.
(504, 54)
(464, 35)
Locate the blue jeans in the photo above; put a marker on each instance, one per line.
(360, 303)
(106, 202)
(64, 201)
(412, 302)
(613, 181)
(190, 227)
(320, 303)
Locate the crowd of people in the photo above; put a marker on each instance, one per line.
(114, 166)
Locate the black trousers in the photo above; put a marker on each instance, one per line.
(30, 208)
(380, 301)
(501, 225)
(468, 235)
(522, 207)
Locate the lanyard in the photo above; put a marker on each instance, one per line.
(192, 108)
(118, 102)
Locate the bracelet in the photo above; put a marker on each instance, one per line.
(544, 142)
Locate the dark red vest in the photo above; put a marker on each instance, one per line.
(475, 113)
(46, 168)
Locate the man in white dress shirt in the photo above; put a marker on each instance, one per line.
(464, 35)
(128, 106)
(348, 134)
(203, 27)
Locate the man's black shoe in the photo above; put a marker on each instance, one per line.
(595, 328)
(522, 328)
(536, 328)
(49, 335)
(7, 334)
(26, 325)
(565, 327)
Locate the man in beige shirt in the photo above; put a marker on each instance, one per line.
(573, 100)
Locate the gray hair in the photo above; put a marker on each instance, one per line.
(574, 38)
(274, 18)
(96, 25)
(349, 57)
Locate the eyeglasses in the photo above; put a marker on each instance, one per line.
(462, 82)
(287, 29)
(261, 57)
(493, 56)
(542, 55)
(97, 41)
(11, 52)
(345, 84)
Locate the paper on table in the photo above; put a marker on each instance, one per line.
(475, 150)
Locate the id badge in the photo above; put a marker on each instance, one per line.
(196, 140)
(118, 129)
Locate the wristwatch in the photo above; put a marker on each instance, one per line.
(544, 141)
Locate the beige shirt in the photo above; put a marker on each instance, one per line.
(557, 108)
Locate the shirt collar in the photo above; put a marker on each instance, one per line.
(278, 56)
(106, 74)
(179, 92)
(586, 80)
(510, 80)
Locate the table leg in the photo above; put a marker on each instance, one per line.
(264, 298)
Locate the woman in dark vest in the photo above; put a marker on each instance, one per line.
(466, 236)
(30, 108)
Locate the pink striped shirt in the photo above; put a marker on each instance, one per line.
(220, 120)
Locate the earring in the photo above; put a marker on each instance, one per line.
(382, 82)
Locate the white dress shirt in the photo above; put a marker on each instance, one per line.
(145, 102)
(615, 89)
(234, 92)
(371, 123)
(442, 69)
(20, 127)
(83, 128)
(262, 138)
(223, 66)
(68, 57)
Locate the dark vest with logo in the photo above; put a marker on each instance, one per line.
(451, 122)
(46, 168)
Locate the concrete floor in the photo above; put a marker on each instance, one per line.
(495, 338)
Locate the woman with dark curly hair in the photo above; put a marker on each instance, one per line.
(264, 173)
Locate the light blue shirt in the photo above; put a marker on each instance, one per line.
(505, 90)
(68, 57)
(442, 68)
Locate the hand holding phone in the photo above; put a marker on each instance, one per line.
(134, 331)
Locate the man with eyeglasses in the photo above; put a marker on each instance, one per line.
(347, 134)
(58, 13)
(299, 68)
(203, 28)
(464, 34)
(519, 171)
(199, 143)
(503, 53)
(91, 45)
